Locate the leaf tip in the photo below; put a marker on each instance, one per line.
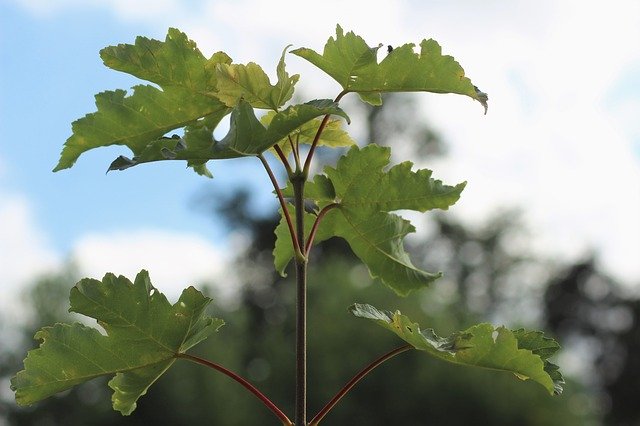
(483, 98)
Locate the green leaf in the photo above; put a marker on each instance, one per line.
(523, 353)
(251, 83)
(353, 64)
(246, 136)
(196, 147)
(144, 333)
(174, 62)
(187, 82)
(332, 135)
(363, 194)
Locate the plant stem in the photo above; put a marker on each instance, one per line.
(295, 148)
(314, 229)
(298, 182)
(325, 120)
(297, 246)
(346, 388)
(266, 401)
(283, 158)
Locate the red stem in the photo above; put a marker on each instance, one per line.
(283, 158)
(346, 388)
(283, 204)
(266, 401)
(314, 229)
(296, 152)
(307, 162)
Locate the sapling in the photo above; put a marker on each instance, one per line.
(143, 334)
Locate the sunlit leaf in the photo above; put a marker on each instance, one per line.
(332, 135)
(353, 64)
(144, 333)
(175, 62)
(363, 194)
(247, 136)
(523, 353)
(250, 83)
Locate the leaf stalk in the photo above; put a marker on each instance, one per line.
(297, 246)
(242, 381)
(314, 229)
(283, 158)
(346, 388)
(325, 120)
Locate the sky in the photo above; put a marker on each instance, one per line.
(561, 141)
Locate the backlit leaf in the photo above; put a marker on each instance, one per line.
(247, 136)
(175, 62)
(523, 353)
(332, 135)
(353, 64)
(144, 333)
(250, 83)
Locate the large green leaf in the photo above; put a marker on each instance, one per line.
(363, 194)
(353, 64)
(187, 81)
(523, 353)
(135, 121)
(251, 83)
(246, 136)
(144, 333)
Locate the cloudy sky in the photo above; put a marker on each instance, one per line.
(561, 140)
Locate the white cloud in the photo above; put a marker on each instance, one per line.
(551, 143)
(24, 252)
(174, 260)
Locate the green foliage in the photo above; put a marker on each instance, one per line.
(523, 353)
(144, 335)
(354, 200)
(332, 135)
(196, 94)
(246, 136)
(363, 194)
(353, 64)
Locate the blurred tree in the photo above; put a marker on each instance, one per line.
(588, 309)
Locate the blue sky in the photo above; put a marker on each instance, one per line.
(561, 140)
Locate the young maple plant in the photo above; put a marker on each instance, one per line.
(143, 334)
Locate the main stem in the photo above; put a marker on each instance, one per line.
(298, 181)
